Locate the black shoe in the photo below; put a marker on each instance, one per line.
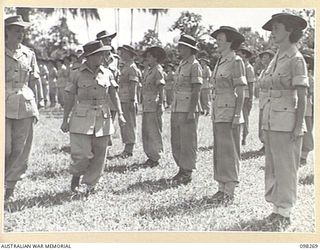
(125, 155)
(217, 197)
(243, 142)
(271, 217)
(303, 161)
(280, 222)
(182, 177)
(8, 193)
(75, 182)
(150, 163)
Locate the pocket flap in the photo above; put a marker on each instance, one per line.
(81, 111)
(227, 101)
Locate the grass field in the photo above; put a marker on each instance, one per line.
(130, 197)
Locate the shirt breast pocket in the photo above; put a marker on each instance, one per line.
(81, 112)
(285, 79)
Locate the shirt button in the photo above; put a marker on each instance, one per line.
(268, 100)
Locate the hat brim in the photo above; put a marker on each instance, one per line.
(21, 24)
(103, 48)
(110, 36)
(300, 22)
(189, 45)
(236, 35)
(130, 51)
(246, 51)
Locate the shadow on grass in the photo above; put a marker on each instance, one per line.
(48, 173)
(149, 186)
(255, 225)
(251, 154)
(307, 180)
(205, 148)
(46, 200)
(183, 208)
(125, 168)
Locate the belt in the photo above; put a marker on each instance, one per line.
(94, 102)
(223, 91)
(279, 93)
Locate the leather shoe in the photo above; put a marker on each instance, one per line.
(75, 182)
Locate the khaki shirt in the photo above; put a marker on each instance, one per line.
(169, 80)
(188, 73)
(44, 74)
(21, 69)
(206, 74)
(128, 74)
(91, 114)
(284, 73)
(263, 87)
(228, 73)
(63, 75)
(153, 78)
(250, 77)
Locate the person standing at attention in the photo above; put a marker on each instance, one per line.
(185, 110)
(283, 116)
(228, 80)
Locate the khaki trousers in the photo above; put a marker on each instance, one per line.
(151, 134)
(307, 144)
(128, 131)
(204, 99)
(169, 96)
(18, 141)
(184, 141)
(226, 155)
(88, 154)
(246, 113)
(282, 160)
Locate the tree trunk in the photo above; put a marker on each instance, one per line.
(131, 26)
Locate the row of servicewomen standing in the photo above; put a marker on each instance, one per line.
(93, 94)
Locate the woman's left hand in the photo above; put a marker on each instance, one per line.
(296, 133)
(235, 121)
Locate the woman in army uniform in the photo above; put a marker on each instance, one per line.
(90, 124)
(228, 80)
(283, 116)
(22, 83)
(152, 105)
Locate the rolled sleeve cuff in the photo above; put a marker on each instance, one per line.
(70, 88)
(134, 78)
(240, 81)
(300, 81)
(196, 79)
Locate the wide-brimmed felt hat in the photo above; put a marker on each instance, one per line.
(94, 47)
(246, 50)
(104, 34)
(235, 35)
(297, 22)
(16, 20)
(188, 41)
(268, 51)
(160, 52)
(129, 49)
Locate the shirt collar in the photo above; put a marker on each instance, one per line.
(290, 52)
(229, 56)
(84, 66)
(16, 53)
(190, 59)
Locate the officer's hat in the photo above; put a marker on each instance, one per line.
(235, 35)
(104, 34)
(93, 47)
(268, 51)
(297, 22)
(188, 41)
(246, 51)
(129, 49)
(16, 20)
(158, 52)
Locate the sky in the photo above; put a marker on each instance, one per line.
(236, 17)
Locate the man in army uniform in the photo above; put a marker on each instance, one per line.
(44, 75)
(22, 80)
(185, 110)
(129, 78)
(90, 124)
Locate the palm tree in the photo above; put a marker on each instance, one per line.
(155, 12)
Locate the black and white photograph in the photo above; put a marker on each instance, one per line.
(159, 120)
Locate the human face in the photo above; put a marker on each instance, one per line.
(151, 60)
(15, 33)
(265, 59)
(184, 51)
(125, 55)
(279, 33)
(222, 43)
(95, 59)
(106, 40)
